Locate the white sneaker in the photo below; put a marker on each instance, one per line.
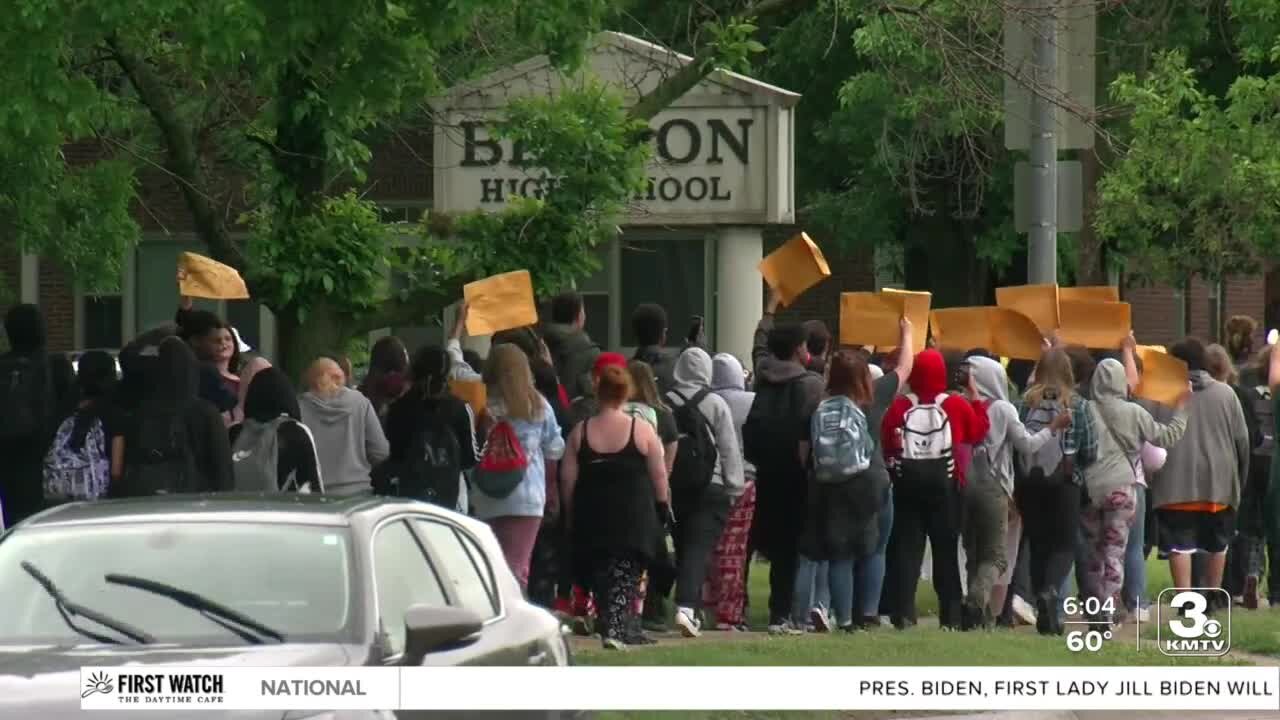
(688, 623)
(820, 619)
(1023, 610)
(786, 628)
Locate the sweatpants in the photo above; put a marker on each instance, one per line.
(924, 511)
(1106, 526)
(700, 519)
(726, 588)
(783, 561)
(986, 524)
(616, 585)
(516, 536)
(1051, 520)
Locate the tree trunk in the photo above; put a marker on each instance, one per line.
(301, 343)
(1089, 265)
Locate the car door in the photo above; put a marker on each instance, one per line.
(472, 585)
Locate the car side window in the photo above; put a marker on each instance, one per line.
(404, 577)
(465, 565)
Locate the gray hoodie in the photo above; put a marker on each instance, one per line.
(1212, 459)
(348, 437)
(729, 382)
(1122, 427)
(993, 459)
(693, 375)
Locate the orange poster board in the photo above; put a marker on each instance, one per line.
(1095, 325)
(1005, 332)
(915, 306)
(202, 277)
(868, 318)
(472, 392)
(1098, 293)
(1164, 377)
(1038, 302)
(500, 303)
(794, 268)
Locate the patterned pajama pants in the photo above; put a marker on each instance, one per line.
(616, 589)
(1106, 533)
(726, 586)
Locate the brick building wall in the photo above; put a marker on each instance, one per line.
(1156, 309)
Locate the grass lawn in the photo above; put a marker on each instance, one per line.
(1255, 632)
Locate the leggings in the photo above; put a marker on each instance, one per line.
(1106, 528)
(516, 536)
(616, 586)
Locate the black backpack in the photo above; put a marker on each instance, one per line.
(26, 402)
(773, 429)
(696, 455)
(433, 468)
(158, 461)
(1260, 397)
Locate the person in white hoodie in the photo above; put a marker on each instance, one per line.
(727, 577)
(348, 435)
(992, 525)
(700, 512)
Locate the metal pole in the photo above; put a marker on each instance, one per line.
(1042, 250)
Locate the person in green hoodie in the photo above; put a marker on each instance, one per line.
(988, 501)
(572, 352)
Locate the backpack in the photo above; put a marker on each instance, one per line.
(841, 440)
(1051, 457)
(502, 462)
(926, 443)
(1261, 398)
(255, 456)
(774, 429)
(81, 473)
(26, 403)
(696, 453)
(433, 467)
(157, 457)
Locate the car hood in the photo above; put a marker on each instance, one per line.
(44, 682)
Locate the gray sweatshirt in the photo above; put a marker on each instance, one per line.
(993, 459)
(348, 437)
(1122, 427)
(693, 375)
(1212, 459)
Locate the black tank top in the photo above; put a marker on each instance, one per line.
(614, 511)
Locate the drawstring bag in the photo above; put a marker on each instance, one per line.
(502, 462)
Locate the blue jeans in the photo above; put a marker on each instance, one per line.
(1135, 560)
(869, 570)
(827, 584)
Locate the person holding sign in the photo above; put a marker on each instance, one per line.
(1123, 427)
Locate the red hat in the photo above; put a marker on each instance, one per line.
(608, 359)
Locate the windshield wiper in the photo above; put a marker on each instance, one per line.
(211, 609)
(68, 609)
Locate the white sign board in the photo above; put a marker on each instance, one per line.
(720, 154)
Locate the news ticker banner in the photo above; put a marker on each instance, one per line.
(685, 688)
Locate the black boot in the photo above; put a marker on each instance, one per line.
(1047, 621)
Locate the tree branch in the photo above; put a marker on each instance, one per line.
(702, 65)
(183, 160)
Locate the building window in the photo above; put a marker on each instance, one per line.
(671, 273)
(102, 317)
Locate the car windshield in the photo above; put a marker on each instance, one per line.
(294, 579)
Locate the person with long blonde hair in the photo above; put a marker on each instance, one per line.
(1049, 502)
(515, 513)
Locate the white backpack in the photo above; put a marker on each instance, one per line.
(926, 442)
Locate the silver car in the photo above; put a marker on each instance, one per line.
(264, 580)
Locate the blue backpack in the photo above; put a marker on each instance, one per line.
(77, 473)
(842, 443)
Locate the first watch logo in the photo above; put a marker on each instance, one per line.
(98, 683)
(1189, 630)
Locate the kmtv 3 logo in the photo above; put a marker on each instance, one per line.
(1186, 628)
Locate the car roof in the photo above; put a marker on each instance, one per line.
(274, 508)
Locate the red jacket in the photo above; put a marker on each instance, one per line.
(969, 423)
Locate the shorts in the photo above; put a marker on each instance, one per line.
(1189, 531)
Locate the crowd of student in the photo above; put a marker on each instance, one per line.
(837, 465)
